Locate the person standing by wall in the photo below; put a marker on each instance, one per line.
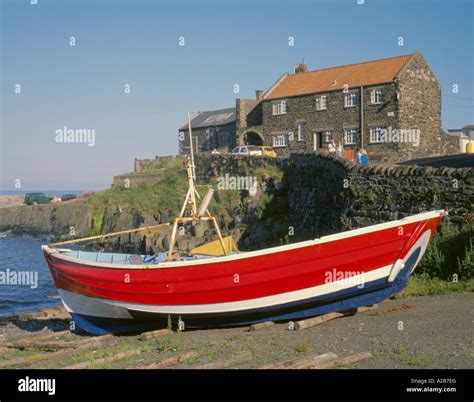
(358, 156)
(339, 149)
(364, 158)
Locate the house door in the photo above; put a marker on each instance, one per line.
(317, 140)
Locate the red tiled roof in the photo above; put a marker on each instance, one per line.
(354, 75)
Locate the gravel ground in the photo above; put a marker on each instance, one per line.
(418, 332)
(423, 332)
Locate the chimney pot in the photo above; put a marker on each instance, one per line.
(258, 94)
(300, 68)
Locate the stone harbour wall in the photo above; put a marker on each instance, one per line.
(134, 180)
(327, 194)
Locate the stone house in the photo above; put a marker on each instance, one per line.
(391, 107)
(215, 129)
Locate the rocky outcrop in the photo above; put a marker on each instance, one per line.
(52, 219)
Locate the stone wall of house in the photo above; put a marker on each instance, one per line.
(222, 138)
(419, 107)
(335, 118)
(248, 112)
(385, 115)
(249, 118)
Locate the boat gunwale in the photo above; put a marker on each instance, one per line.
(256, 253)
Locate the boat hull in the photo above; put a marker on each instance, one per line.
(334, 273)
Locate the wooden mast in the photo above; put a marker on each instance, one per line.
(191, 199)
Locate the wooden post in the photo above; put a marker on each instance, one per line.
(154, 334)
(311, 322)
(302, 362)
(346, 361)
(261, 325)
(172, 361)
(367, 308)
(234, 360)
(104, 360)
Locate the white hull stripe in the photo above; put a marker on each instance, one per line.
(115, 309)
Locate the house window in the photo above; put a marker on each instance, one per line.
(376, 134)
(301, 131)
(279, 107)
(328, 135)
(350, 99)
(350, 136)
(321, 102)
(280, 140)
(377, 96)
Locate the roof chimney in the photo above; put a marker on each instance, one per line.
(258, 94)
(300, 68)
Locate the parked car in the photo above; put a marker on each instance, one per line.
(68, 197)
(36, 198)
(268, 151)
(247, 150)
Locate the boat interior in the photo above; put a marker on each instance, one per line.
(208, 250)
(132, 259)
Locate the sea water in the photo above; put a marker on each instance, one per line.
(25, 280)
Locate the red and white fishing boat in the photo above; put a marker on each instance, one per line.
(110, 292)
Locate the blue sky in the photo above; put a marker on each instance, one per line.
(227, 42)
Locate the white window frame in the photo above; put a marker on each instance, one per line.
(375, 133)
(280, 140)
(350, 99)
(377, 96)
(321, 102)
(279, 107)
(354, 133)
(328, 135)
(301, 134)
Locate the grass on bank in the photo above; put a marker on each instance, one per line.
(423, 285)
(450, 254)
(447, 266)
(165, 196)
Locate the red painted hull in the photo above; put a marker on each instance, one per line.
(251, 276)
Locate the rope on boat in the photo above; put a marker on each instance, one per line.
(108, 235)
